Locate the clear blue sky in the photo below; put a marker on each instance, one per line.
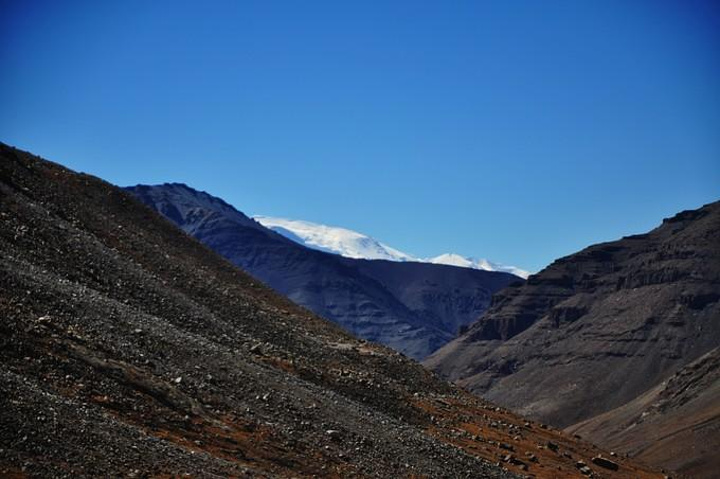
(519, 131)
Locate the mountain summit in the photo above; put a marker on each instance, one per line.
(333, 239)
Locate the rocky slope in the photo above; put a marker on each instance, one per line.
(129, 349)
(413, 308)
(675, 424)
(598, 329)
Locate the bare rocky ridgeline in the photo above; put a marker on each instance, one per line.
(130, 349)
(599, 341)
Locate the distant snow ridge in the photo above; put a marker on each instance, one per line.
(333, 239)
(476, 263)
(352, 244)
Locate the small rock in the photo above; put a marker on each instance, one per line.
(583, 467)
(606, 463)
(333, 433)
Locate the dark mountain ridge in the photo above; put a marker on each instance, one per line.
(412, 307)
(130, 349)
(598, 329)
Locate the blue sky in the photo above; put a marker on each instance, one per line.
(519, 131)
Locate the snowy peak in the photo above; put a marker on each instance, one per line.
(475, 263)
(332, 239)
(351, 244)
(457, 260)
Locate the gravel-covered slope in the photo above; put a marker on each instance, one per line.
(129, 349)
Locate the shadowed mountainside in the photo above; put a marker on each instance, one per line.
(596, 330)
(412, 307)
(130, 349)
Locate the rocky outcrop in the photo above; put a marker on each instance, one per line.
(412, 307)
(597, 329)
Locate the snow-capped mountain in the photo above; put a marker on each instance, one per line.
(412, 307)
(351, 244)
(332, 239)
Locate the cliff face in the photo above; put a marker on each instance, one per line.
(595, 330)
(412, 307)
